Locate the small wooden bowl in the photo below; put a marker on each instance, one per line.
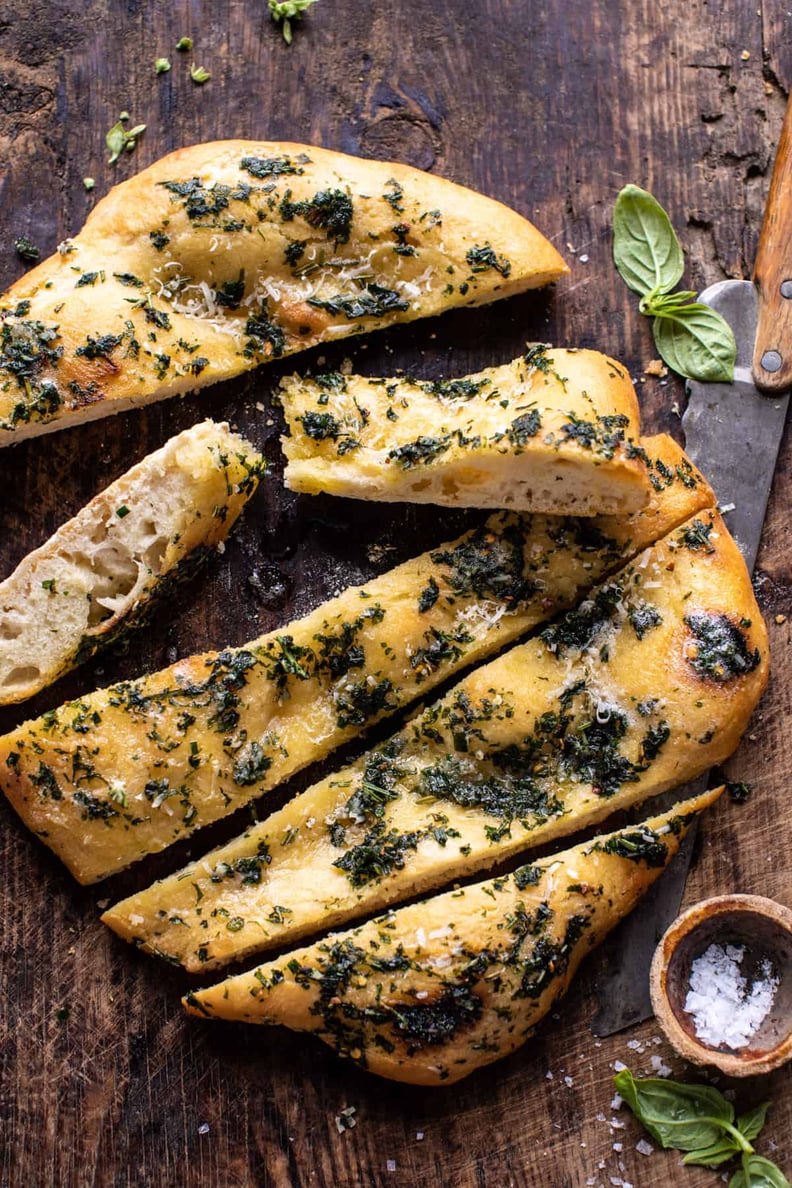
(765, 929)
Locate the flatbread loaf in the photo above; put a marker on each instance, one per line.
(555, 432)
(431, 992)
(193, 742)
(226, 255)
(648, 682)
(96, 576)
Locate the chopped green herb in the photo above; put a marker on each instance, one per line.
(375, 301)
(641, 846)
(184, 45)
(524, 427)
(320, 425)
(739, 792)
(481, 259)
(162, 66)
(330, 210)
(428, 596)
(720, 651)
(262, 167)
(423, 449)
(199, 74)
(26, 250)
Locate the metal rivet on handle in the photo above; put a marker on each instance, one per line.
(786, 289)
(771, 361)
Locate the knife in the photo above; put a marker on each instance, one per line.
(732, 433)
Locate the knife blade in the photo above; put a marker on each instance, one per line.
(733, 434)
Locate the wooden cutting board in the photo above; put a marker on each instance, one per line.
(550, 108)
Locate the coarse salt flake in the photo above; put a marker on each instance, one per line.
(726, 1009)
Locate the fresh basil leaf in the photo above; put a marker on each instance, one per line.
(696, 342)
(758, 1172)
(646, 250)
(718, 1152)
(687, 1117)
(751, 1122)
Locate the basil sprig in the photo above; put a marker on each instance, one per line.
(692, 338)
(699, 1120)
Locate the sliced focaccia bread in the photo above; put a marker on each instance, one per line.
(436, 990)
(226, 255)
(95, 576)
(646, 684)
(555, 431)
(180, 748)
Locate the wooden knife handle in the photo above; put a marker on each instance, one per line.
(772, 361)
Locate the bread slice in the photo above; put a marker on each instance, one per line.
(195, 741)
(96, 575)
(436, 990)
(646, 684)
(555, 432)
(226, 255)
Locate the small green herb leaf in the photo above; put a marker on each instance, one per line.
(162, 66)
(184, 45)
(88, 183)
(646, 250)
(750, 1123)
(27, 250)
(120, 138)
(696, 341)
(288, 11)
(757, 1172)
(199, 74)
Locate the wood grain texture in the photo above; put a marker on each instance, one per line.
(550, 108)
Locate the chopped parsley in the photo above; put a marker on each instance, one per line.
(328, 210)
(720, 652)
(481, 259)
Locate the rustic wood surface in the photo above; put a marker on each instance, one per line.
(551, 108)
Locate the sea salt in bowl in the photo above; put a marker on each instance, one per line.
(726, 943)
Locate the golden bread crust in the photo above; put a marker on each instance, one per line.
(553, 432)
(431, 992)
(98, 572)
(650, 681)
(225, 255)
(291, 693)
